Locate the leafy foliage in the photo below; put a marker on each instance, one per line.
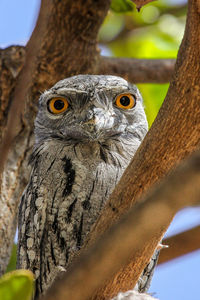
(153, 95)
(121, 6)
(155, 32)
(16, 285)
(12, 263)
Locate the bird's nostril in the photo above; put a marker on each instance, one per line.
(91, 121)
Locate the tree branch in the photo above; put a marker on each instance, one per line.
(64, 30)
(180, 244)
(174, 134)
(58, 56)
(133, 70)
(114, 249)
(12, 130)
(138, 70)
(42, 44)
(23, 85)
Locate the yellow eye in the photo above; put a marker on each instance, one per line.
(125, 101)
(58, 105)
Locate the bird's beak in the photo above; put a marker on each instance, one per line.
(92, 121)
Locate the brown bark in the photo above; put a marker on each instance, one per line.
(174, 134)
(11, 62)
(138, 70)
(49, 56)
(180, 244)
(67, 47)
(132, 69)
(63, 44)
(139, 226)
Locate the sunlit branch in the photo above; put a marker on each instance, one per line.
(113, 250)
(180, 244)
(138, 70)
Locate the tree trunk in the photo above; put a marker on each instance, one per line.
(174, 134)
(64, 44)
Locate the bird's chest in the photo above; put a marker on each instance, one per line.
(73, 190)
(77, 184)
(77, 173)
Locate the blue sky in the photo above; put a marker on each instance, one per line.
(176, 280)
(17, 19)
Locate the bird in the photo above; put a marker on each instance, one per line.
(87, 130)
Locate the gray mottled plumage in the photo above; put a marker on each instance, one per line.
(78, 158)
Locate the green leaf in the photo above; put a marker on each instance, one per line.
(113, 24)
(12, 263)
(121, 6)
(17, 285)
(153, 96)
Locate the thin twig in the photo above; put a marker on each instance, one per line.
(180, 244)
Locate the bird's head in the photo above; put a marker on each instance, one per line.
(90, 108)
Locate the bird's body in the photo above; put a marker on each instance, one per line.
(82, 148)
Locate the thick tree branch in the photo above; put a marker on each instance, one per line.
(180, 244)
(138, 70)
(134, 70)
(23, 85)
(49, 50)
(14, 126)
(64, 30)
(122, 241)
(174, 134)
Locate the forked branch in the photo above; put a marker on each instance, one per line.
(123, 240)
(174, 134)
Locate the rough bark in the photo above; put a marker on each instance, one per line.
(63, 44)
(70, 29)
(11, 62)
(180, 244)
(174, 134)
(112, 251)
(138, 70)
(50, 57)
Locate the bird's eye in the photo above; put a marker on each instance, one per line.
(125, 101)
(57, 105)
